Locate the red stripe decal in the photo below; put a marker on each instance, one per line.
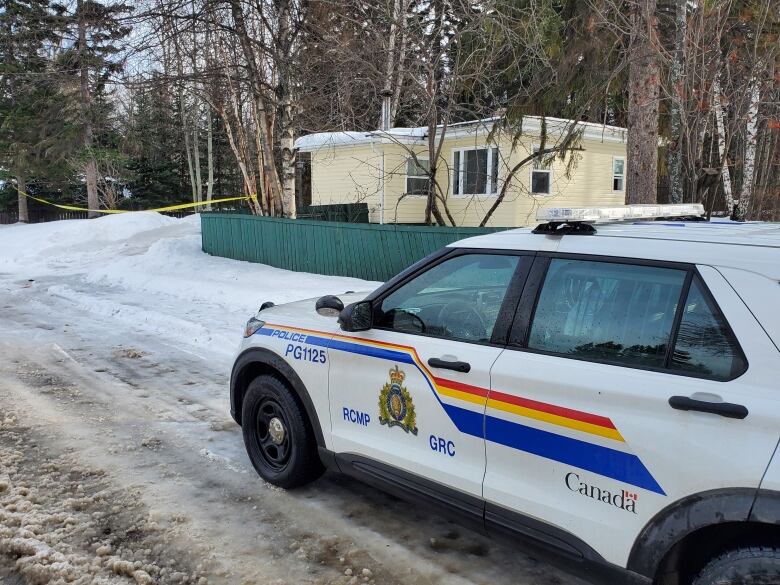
(469, 389)
(593, 419)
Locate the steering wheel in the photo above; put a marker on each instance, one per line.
(461, 320)
(412, 318)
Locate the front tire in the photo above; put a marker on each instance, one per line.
(743, 566)
(277, 434)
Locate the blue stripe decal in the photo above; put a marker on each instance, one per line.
(467, 421)
(608, 462)
(367, 350)
(318, 341)
(624, 467)
(372, 351)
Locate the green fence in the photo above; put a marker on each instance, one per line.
(368, 251)
(348, 212)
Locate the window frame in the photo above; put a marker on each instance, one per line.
(520, 328)
(508, 306)
(407, 176)
(548, 170)
(491, 189)
(615, 175)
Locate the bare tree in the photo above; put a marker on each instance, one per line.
(676, 81)
(644, 78)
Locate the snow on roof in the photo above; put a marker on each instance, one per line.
(328, 139)
(319, 140)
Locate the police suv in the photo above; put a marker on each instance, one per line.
(607, 384)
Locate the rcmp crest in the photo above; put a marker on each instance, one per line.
(395, 404)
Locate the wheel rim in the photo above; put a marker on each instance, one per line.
(273, 434)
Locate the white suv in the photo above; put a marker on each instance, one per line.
(612, 390)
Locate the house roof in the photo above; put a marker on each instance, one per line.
(417, 135)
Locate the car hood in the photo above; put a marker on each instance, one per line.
(303, 313)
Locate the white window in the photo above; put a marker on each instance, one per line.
(475, 171)
(541, 176)
(618, 173)
(417, 176)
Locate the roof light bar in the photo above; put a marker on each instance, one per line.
(619, 212)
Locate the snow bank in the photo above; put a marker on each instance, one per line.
(147, 271)
(178, 266)
(25, 245)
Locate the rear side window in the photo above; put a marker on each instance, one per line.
(603, 311)
(705, 345)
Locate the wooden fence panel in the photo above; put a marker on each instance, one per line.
(367, 251)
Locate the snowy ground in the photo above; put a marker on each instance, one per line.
(119, 462)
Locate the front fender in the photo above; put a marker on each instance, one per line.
(257, 361)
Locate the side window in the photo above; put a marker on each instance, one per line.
(618, 173)
(705, 344)
(417, 176)
(458, 299)
(604, 311)
(541, 175)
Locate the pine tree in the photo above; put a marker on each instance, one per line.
(28, 100)
(90, 62)
(153, 145)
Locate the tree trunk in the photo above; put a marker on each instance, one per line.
(196, 158)
(90, 173)
(287, 143)
(188, 146)
(90, 169)
(723, 155)
(287, 132)
(209, 131)
(390, 59)
(749, 169)
(674, 151)
(21, 190)
(395, 101)
(270, 178)
(195, 111)
(209, 156)
(643, 89)
(237, 139)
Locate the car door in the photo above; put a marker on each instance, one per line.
(588, 422)
(409, 394)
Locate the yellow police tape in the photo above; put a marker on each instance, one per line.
(166, 208)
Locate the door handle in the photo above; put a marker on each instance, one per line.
(727, 409)
(464, 367)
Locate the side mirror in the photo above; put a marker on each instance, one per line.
(329, 306)
(357, 316)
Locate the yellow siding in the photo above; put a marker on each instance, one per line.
(346, 174)
(589, 183)
(466, 211)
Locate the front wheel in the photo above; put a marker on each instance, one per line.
(743, 566)
(278, 437)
